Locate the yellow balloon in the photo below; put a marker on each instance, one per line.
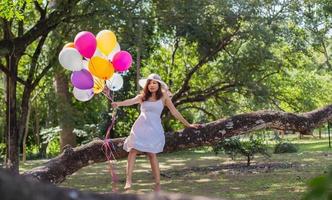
(98, 85)
(101, 67)
(106, 41)
(69, 45)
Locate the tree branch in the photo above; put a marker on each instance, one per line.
(42, 27)
(42, 12)
(35, 57)
(48, 67)
(221, 45)
(202, 95)
(21, 22)
(7, 72)
(71, 160)
(170, 68)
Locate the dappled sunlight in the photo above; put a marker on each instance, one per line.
(177, 164)
(29, 164)
(140, 171)
(239, 195)
(142, 184)
(175, 160)
(203, 180)
(143, 191)
(198, 173)
(308, 159)
(92, 173)
(275, 186)
(165, 166)
(262, 193)
(317, 146)
(145, 165)
(210, 157)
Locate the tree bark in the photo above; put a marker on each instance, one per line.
(65, 110)
(17, 188)
(23, 119)
(36, 131)
(71, 160)
(248, 161)
(12, 158)
(26, 130)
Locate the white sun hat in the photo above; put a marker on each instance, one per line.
(154, 77)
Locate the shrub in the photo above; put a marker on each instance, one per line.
(234, 146)
(285, 147)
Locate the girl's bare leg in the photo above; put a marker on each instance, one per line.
(155, 169)
(130, 168)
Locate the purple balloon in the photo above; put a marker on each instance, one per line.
(86, 43)
(82, 79)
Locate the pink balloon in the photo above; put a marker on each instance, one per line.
(122, 61)
(86, 43)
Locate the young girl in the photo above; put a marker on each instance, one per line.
(147, 134)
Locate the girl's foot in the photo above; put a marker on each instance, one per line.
(127, 186)
(115, 187)
(157, 187)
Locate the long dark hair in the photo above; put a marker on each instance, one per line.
(146, 94)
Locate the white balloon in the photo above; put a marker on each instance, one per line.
(114, 51)
(86, 64)
(83, 95)
(71, 59)
(115, 83)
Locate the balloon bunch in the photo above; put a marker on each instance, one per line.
(95, 61)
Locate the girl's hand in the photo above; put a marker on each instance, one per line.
(114, 104)
(195, 126)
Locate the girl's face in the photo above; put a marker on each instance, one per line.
(153, 86)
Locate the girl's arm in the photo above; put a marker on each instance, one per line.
(177, 114)
(127, 102)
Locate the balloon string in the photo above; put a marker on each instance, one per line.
(108, 147)
(109, 97)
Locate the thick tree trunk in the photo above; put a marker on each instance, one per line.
(12, 158)
(71, 160)
(17, 188)
(65, 110)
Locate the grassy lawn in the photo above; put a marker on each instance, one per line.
(201, 172)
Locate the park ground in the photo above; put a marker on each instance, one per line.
(201, 172)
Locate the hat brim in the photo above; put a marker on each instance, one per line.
(143, 81)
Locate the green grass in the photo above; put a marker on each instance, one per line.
(189, 172)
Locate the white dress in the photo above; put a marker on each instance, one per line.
(147, 133)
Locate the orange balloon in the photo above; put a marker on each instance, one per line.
(101, 67)
(99, 85)
(69, 45)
